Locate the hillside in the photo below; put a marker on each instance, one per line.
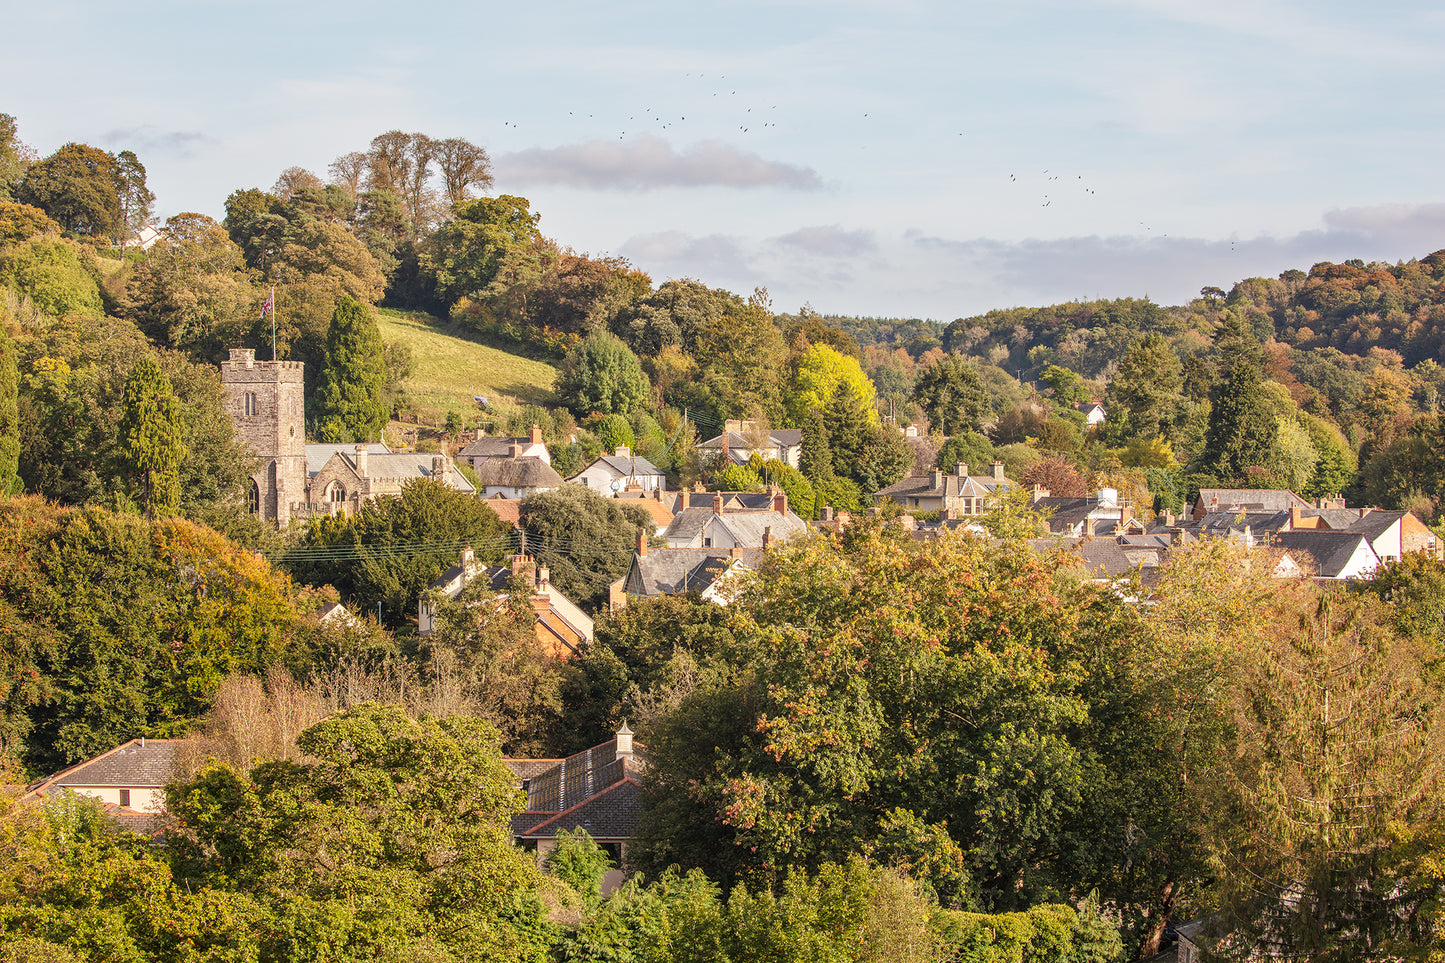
(450, 367)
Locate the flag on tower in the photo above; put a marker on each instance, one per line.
(267, 307)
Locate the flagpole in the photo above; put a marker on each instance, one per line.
(272, 302)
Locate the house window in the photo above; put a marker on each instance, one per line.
(125, 798)
(707, 543)
(253, 498)
(250, 403)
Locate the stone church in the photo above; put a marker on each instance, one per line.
(266, 401)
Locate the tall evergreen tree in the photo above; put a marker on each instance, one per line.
(1241, 424)
(350, 392)
(816, 459)
(9, 418)
(847, 429)
(151, 446)
(952, 394)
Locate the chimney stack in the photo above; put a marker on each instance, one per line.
(998, 471)
(479, 434)
(780, 503)
(936, 479)
(717, 505)
(622, 451)
(641, 543)
(682, 500)
(438, 466)
(961, 470)
(361, 459)
(827, 513)
(1089, 527)
(542, 578)
(767, 537)
(536, 436)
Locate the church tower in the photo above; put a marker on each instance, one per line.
(266, 401)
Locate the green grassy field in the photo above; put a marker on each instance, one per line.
(450, 366)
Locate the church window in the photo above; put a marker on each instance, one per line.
(253, 498)
(250, 403)
(335, 493)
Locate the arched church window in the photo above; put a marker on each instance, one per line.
(253, 498)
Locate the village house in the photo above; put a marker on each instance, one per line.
(129, 780)
(621, 471)
(483, 448)
(349, 480)
(598, 790)
(711, 573)
(714, 523)
(959, 492)
(562, 627)
(740, 440)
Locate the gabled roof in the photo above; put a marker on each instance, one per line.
(525, 472)
(624, 467)
(665, 571)
(1252, 499)
(493, 447)
(946, 486)
(1331, 551)
(1339, 519)
(778, 438)
(749, 528)
(688, 524)
(596, 790)
(1376, 523)
(317, 455)
(137, 764)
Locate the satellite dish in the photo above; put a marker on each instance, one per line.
(617, 486)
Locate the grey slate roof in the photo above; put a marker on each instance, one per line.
(318, 455)
(748, 528)
(665, 571)
(492, 447)
(595, 790)
(1331, 551)
(632, 465)
(688, 523)
(1252, 499)
(923, 486)
(1340, 519)
(1376, 523)
(140, 763)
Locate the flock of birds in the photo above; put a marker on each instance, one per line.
(757, 118)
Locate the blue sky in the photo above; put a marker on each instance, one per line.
(916, 159)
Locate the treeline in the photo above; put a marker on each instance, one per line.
(884, 749)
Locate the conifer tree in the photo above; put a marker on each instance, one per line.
(9, 418)
(351, 389)
(1241, 424)
(151, 446)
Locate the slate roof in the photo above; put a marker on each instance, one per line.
(529, 768)
(1253, 499)
(139, 763)
(665, 571)
(748, 528)
(631, 465)
(1331, 551)
(688, 524)
(1339, 519)
(1103, 557)
(526, 472)
(493, 447)
(595, 790)
(1376, 523)
(613, 813)
(949, 486)
(701, 578)
(1234, 521)
(319, 454)
(779, 438)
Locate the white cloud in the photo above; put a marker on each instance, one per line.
(647, 163)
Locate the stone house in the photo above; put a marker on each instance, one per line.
(483, 448)
(129, 780)
(741, 439)
(962, 494)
